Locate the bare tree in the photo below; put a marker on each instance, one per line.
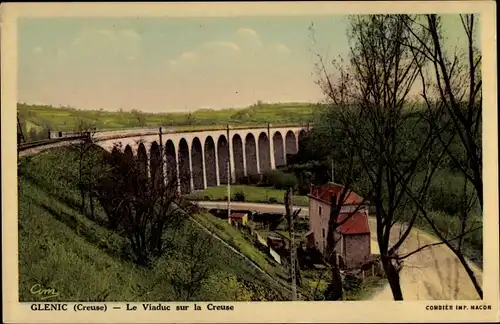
(379, 119)
(451, 86)
(458, 87)
(86, 130)
(333, 138)
(142, 210)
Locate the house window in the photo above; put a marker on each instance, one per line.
(323, 233)
(319, 210)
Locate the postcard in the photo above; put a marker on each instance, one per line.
(248, 162)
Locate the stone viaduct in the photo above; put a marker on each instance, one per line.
(204, 156)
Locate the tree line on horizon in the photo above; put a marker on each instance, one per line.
(37, 120)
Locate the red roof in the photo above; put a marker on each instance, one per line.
(325, 192)
(238, 215)
(355, 224)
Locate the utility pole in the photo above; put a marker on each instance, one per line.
(292, 249)
(228, 175)
(163, 160)
(20, 136)
(228, 190)
(333, 171)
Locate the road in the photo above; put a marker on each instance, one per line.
(264, 208)
(432, 274)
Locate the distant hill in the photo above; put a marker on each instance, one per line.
(36, 120)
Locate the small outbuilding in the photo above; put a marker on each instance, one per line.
(238, 219)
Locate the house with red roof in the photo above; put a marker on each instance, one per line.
(352, 232)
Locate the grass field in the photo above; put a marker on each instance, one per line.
(62, 249)
(252, 194)
(66, 119)
(243, 243)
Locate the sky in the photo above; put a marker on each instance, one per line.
(165, 64)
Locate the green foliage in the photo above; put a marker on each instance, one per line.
(243, 243)
(61, 248)
(351, 283)
(365, 289)
(252, 194)
(280, 180)
(446, 190)
(239, 196)
(329, 141)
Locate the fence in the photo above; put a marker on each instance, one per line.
(275, 255)
(260, 239)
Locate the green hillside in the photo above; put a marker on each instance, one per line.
(60, 248)
(42, 118)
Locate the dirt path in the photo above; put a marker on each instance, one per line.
(431, 274)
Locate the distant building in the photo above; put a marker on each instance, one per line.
(238, 219)
(352, 234)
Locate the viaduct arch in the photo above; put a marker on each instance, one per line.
(200, 159)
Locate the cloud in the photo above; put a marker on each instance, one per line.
(60, 52)
(108, 43)
(246, 49)
(249, 37)
(247, 32)
(281, 48)
(189, 57)
(217, 45)
(107, 32)
(129, 33)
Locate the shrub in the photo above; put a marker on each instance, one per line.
(207, 198)
(280, 180)
(351, 283)
(273, 200)
(254, 179)
(239, 196)
(289, 180)
(445, 192)
(272, 176)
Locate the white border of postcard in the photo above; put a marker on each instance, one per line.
(365, 311)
